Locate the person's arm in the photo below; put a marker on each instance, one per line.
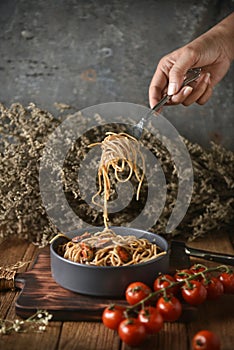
(213, 51)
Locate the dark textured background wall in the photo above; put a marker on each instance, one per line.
(82, 52)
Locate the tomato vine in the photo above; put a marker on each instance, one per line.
(148, 308)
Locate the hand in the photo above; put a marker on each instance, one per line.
(212, 51)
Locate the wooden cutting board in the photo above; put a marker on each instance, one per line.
(41, 292)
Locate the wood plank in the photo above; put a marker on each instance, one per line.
(14, 249)
(217, 242)
(34, 341)
(88, 336)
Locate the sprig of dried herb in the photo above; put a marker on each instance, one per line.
(35, 323)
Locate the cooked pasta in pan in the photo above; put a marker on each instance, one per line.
(106, 248)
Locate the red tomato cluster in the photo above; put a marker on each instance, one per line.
(149, 308)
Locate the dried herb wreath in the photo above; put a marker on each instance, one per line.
(24, 132)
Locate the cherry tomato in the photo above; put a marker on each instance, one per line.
(132, 332)
(206, 340)
(214, 288)
(163, 281)
(180, 275)
(198, 268)
(227, 280)
(137, 291)
(194, 294)
(170, 308)
(151, 318)
(112, 316)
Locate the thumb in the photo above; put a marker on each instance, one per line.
(177, 74)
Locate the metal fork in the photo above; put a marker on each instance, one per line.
(137, 130)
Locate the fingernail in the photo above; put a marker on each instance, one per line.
(187, 91)
(207, 78)
(172, 89)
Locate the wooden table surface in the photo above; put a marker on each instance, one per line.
(217, 316)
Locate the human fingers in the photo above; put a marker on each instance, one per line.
(186, 92)
(170, 74)
(181, 96)
(155, 94)
(157, 86)
(205, 97)
(201, 91)
(184, 61)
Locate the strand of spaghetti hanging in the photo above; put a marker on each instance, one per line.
(120, 151)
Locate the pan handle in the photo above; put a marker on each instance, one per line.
(211, 256)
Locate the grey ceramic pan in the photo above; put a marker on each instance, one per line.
(106, 281)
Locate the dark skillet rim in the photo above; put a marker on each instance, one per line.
(69, 262)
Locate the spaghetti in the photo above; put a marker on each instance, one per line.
(121, 152)
(106, 248)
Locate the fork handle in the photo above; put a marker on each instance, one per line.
(192, 74)
(161, 103)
